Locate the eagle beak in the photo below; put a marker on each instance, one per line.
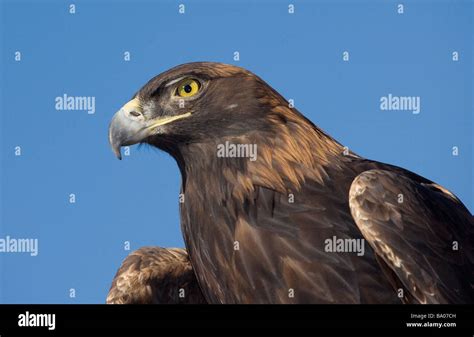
(129, 126)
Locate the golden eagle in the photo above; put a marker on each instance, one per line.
(302, 220)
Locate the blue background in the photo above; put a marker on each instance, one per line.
(81, 245)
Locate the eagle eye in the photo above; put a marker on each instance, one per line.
(188, 87)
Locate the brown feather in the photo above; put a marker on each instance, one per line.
(153, 275)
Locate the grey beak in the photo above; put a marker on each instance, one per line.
(129, 126)
(115, 136)
(125, 129)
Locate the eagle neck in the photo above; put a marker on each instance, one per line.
(280, 159)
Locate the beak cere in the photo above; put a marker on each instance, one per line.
(129, 125)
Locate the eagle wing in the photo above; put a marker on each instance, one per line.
(422, 235)
(152, 275)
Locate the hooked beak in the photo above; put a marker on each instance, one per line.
(129, 126)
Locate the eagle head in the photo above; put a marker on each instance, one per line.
(194, 103)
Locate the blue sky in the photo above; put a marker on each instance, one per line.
(62, 152)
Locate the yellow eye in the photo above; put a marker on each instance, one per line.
(188, 88)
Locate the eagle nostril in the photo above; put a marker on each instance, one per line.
(135, 113)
